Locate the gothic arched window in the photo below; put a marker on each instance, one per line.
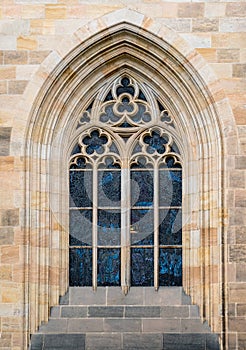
(126, 191)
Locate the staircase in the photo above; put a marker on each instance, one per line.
(106, 319)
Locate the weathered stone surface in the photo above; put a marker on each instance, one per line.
(5, 134)
(9, 217)
(15, 57)
(17, 87)
(6, 235)
(238, 253)
(205, 25)
(103, 341)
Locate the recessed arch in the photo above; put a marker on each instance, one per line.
(125, 41)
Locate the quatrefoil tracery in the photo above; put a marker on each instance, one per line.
(126, 105)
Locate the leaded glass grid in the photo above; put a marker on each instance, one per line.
(126, 191)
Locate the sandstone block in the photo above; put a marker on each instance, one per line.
(240, 272)
(214, 9)
(33, 10)
(237, 179)
(36, 57)
(240, 234)
(228, 55)
(237, 291)
(26, 43)
(209, 54)
(3, 87)
(236, 9)
(205, 25)
(228, 25)
(191, 10)
(42, 27)
(237, 324)
(9, 217)
(237, 253)
(5, 340)
(5, 273)
(182, 25)
(169, 10)
(10, 255)
(241, 310)
(17, 87)
(240, 162)
(15, 57)
(240, 198)
(8, 42)
(12, 324)
(229, 40)
(6, 235)
(239, 70)
(4, 140)
(7, 73)
(242, 341)
(55, 11)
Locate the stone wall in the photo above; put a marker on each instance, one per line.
(35, 37)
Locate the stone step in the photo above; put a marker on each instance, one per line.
(129, 341)
(112, 296)
(108, 319)
(182, 311)
(133, 325)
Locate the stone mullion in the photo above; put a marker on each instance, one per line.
(94, 225)
(125, 228)
(156, 226)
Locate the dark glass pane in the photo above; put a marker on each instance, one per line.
(142, 191)
(155, 142)
(170, 229)
(141, 96)
(170, 188)
(95, 142)
(142, 267)
(109, 227)
(109, 115)
(80, 267)
(170, 162)
(125, 87)
(170, 267)
(76, 149)
(109, 97)
(109, 187)
(142, 227)
(80, 189)
(108, 268)
(80, 227)
(141, 114)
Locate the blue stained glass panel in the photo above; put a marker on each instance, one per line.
(142, 227)
(170, 161)
(142, 262)
(109, 227)
(80, 226)
(170, 188)
(109, 188)
(125, 88)
(108, 268)
(170, 267)
(95, 142)
(155, 142)
(80, 267)
(170, 229)
(80, 189)
(142, 191)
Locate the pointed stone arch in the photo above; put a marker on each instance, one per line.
(124, 41)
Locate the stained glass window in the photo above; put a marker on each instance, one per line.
(125, 201)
